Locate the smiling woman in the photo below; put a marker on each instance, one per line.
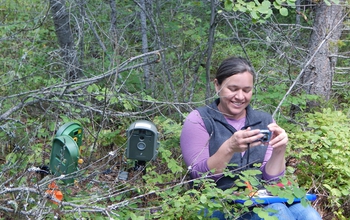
(235, 93)
(228, 131)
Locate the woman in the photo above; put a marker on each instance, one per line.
(228, 132)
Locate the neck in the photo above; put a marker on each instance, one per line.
(230, 116)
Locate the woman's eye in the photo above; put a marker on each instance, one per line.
(234, 89)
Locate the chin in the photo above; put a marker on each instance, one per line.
(236, 111)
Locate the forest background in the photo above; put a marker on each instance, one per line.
(106, 64)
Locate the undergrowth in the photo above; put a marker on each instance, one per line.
(161, 189)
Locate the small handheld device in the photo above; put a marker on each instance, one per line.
(267, 136)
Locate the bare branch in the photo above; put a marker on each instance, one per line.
(308, 63)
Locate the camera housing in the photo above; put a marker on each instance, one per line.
(267, 136)
(65, 150)
(142, 141)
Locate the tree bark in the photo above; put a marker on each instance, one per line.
(65, 39)
(318, 76)
(146, 71)
(211, 42)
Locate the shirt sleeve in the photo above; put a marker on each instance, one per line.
(267, 157)
(194, 142)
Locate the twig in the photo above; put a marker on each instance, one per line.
(307, 64)
(85, 82)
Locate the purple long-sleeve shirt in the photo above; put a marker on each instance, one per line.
(194, 143)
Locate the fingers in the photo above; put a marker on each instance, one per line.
(241, 139)
(279, 136)
(248, 135)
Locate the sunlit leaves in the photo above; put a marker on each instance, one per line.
(260, 10)
(283, 11)
(323, 148)
(265, 7)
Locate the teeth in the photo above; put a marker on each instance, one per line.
(237, 103)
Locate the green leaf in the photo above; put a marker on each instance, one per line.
(336, 192)
(345, 192)
(299, 193)
(248, 202)
(254, 15)
(204, 199)
(284, 11)
(291, 3)
(228, 5)
(276, 5)
(264, 8)
(100, 97)
(278, 2)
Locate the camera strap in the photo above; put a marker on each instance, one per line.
(251, 125)
(248, 148)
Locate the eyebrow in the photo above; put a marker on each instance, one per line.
(236, 86)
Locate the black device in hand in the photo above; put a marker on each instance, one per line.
(267, 136)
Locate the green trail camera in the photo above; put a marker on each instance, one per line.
(142, 141)
(65, 150)
(72, 129)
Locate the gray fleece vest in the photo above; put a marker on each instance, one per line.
(220, 130)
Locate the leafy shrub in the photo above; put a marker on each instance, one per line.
(322, 151)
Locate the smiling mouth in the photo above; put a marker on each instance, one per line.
(238, 104)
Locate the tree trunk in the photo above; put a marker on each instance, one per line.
(318, 76)
(65, 39)
(211, 42)
(143, 18)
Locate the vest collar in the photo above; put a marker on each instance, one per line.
(251, 120)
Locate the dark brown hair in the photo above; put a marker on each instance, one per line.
(231, 66)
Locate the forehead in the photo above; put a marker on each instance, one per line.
(244, 79)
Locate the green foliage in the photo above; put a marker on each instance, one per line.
(260, 10)
(322, 149)
(329, 3)
(269, 91)
(31, 69)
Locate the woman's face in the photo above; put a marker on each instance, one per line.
(235, 94)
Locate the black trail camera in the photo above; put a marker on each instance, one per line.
(142, 141)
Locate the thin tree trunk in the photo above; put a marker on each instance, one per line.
(113, 27)
(146, 74)
(319, 75)
(211, 42)
(163, 59)
(81, 31)
(65, 39)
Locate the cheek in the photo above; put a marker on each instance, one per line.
(248, 96)
(226, 93)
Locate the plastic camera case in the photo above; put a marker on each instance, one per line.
(142, 141)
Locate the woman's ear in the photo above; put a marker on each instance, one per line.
(217, 86)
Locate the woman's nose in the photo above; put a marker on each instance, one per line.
(239, 94)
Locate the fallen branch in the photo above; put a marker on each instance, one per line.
(33, 97)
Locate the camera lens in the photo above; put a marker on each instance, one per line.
(142, 138)
(141, 146)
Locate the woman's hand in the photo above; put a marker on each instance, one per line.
(279, 137)
(240, 139)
